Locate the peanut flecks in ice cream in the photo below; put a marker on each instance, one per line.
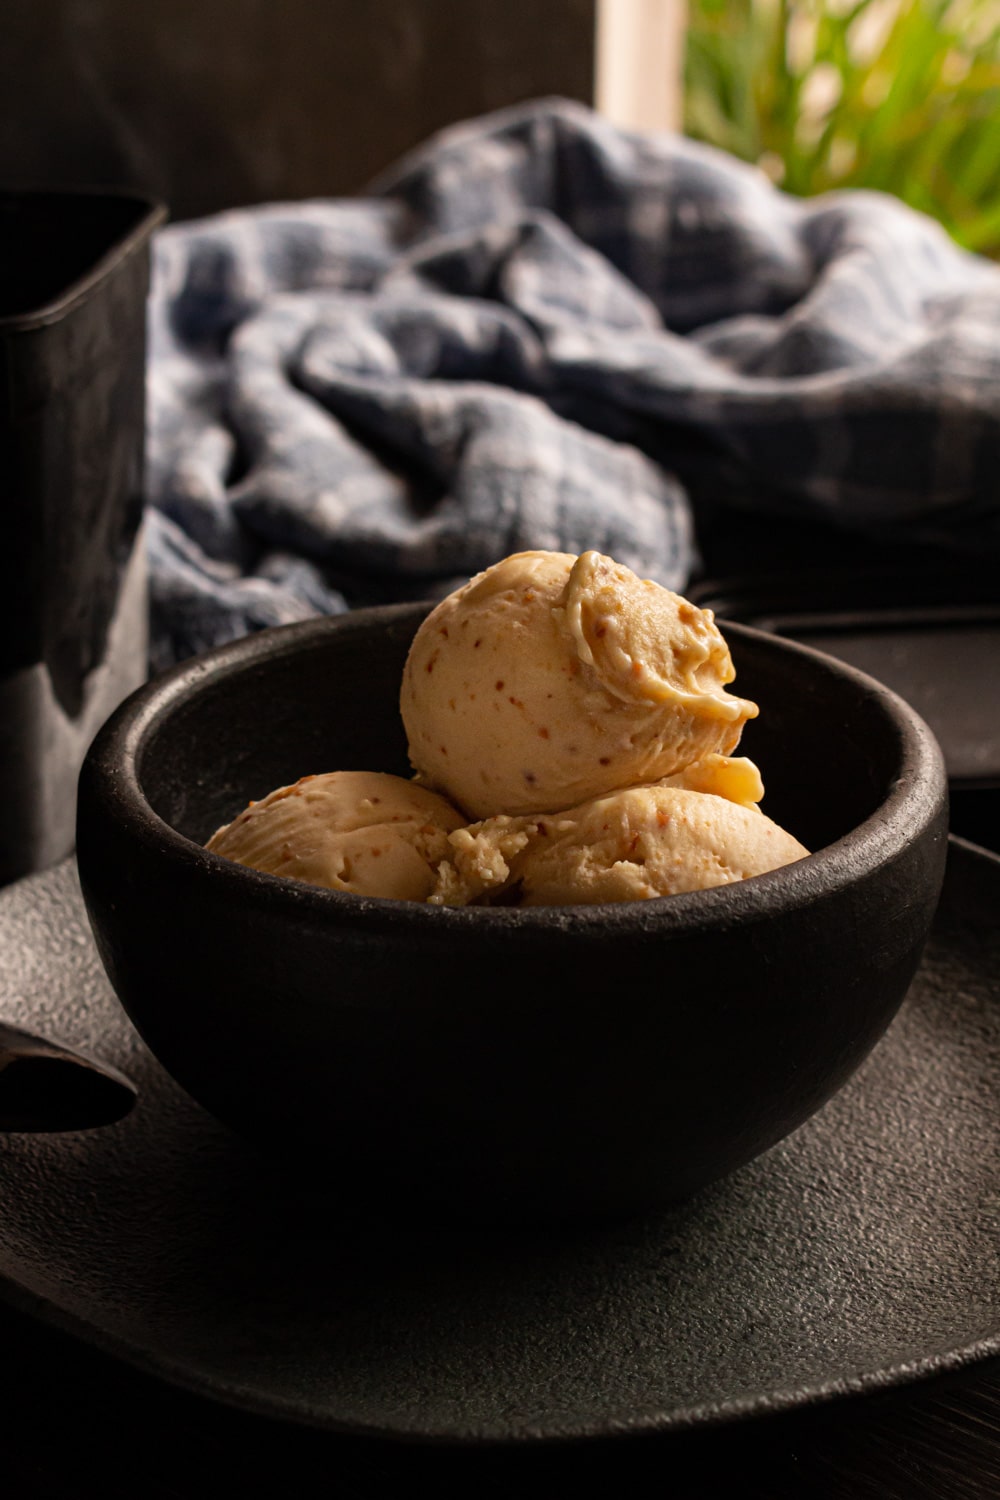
(596, 680)
(571, 735)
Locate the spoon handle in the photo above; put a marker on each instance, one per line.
(47, 1087)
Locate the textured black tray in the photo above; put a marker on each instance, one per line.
(861, 1252)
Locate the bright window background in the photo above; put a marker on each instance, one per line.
(898, 95)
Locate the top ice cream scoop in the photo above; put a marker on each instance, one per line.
(549, 679)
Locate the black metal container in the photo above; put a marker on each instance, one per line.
(74, 274)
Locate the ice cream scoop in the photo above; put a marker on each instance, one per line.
(630, 845)
(550, 679)
(360, 831)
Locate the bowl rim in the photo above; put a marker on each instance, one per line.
(112, 760)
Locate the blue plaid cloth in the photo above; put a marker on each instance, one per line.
(539, 330)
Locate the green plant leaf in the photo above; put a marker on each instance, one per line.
(919, 118)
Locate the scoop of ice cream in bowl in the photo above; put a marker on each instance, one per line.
(550, 679)
(493, 921)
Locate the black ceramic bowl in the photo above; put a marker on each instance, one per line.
(545, 1063)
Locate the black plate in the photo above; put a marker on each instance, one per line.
(860, 1252)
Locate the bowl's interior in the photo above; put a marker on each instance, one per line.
(324, 697)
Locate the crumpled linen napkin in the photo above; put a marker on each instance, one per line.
(539, 330)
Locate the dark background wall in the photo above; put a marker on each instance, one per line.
(212, 103)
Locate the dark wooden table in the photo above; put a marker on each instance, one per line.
(77, 1424)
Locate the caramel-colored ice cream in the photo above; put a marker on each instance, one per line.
(734, 777)
(630, 845)
(551, 679)
(570, 730)
(360, 831)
